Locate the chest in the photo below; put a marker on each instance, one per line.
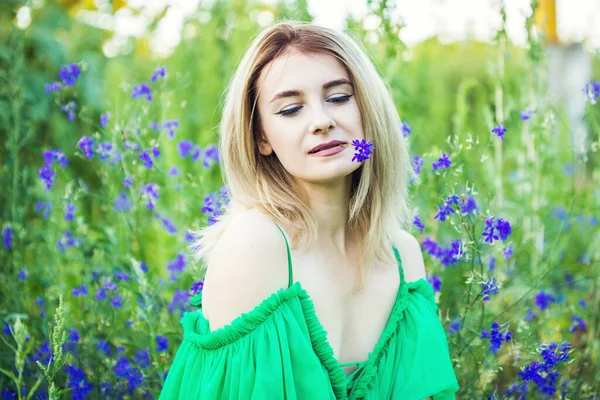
(353, 321)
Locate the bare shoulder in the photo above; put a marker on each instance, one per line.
(412, 257)
(248, 264)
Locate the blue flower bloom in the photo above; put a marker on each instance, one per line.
(171, 125)
(46, 206)
(468, 205)
(122, 203)
(577, 324)
(23, 274)
(495, 225)
(454, 326)
(147, 159)
(406, 130)
(127, 181)
(417, 163)
(176, 266)
(417, 222)
(69, 208)
(47, 176)
(69, 108)
(162, 343)
(508, 251)
(7, 234)
(180, 301)
(122, 276)
(525, 115)
(53, 87)
(104, 119)
(86, 144)
(184, 147)
(499, 131)
(543, 300)
(116, 301)
(142, 358)
(496, 337)
(81, 291)
(489, 287)
(105, 347)
(151, 193)
(160, 72)
(592, 91)
(142, 90)
(544, 374)
(363, 150)
(435, 283)
(69, 74)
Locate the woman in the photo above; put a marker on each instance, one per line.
(352, 315)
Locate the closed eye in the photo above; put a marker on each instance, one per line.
(293, 111)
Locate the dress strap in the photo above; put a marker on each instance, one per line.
(289, 256)
(399, 259)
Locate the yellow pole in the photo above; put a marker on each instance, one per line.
(545, 20)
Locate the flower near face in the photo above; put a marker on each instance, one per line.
(363, 150)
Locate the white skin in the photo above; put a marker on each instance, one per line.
(318, 119)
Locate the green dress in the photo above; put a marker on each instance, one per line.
(279, 350)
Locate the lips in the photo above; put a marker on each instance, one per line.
(327, 145)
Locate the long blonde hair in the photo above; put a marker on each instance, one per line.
(379, 207)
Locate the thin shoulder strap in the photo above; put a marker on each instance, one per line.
(289, 256)
(399, 259)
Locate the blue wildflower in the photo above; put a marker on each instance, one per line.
(184, 147)
(81, 291)
(127, 181)
(53, 87)
(23, 274)
(406, 130)
(496, 337)
(435, 282)
(468, 205)
(508, 251)
(417, 222)
(151, 193)
(155, 152)
(577, 324)
(104, 119)
(543, 300)
(86, 145)
(105, 347)
(180, 301)
(69, 74)
(174, 171)
(116, 301)
(142, 90)
(442, 162)
(122, 276)
(162, 343)
(122, 203)
(417, 163)
(45, 207)
(69, 108)
(489, 287)
(454, 326)
(160, 72)
(525, 115)
(176, 266)
(47, 176)
(499, 131)
(7, 236)
(147, 159)
(363, 150)
(69, 208)
(171, 125)
(592, 91)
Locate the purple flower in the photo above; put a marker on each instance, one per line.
(495, 226)
(417, 163)
(104, 149)
(442, 162)
(52, 155)
(23, 274)
(210, 154)
(108, 285)
(468, 205)
(492, 265)
(530, 315)
(417, 222)
(155, 152)
(197, 287)
(69, 108)
(7, 233)
(363, 150)
(508, 252)
(406, 131)
(127, 181)
(169, 226)
(122, 203)
(162, 343)
(53, 87)
(544, 374)
(435, 282)
(454, 326)
(142, 358)
(151, 193)
(496, 337)
(543, 300)
(499, 131)
(142, 90)
(180, 301)
(46, 206)
(69, 208)
(147, 159)
(116, 301)
(447, 209)
(105, 347)
(6, 329)
(592, 91)
(154, 126)
(122, 276)
(82, 291)
(121, 367)
(86, 145)
(188, 237)
(577, 324)
(184, 147)
(176, 266)
(489, 287)
(69, 74)
(525, 115)
(171, 125)
(47, 176)
(174, 171)
(159, 72)
(100, 294)
(104, 119)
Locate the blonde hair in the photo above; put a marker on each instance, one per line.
(379, 208)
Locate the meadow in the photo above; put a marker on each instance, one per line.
(107, 163)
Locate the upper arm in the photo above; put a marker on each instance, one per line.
(412, 258)
(248, 264)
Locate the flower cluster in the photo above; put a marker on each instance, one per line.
(406, 130)
(447, 256)
(544, 374)
(214, 203)
(496, 337)
(143, 89)
(68, 75)
(489, 287)
(442, 163)
(363, 150)
(496, 228)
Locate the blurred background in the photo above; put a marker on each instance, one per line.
(109, 115)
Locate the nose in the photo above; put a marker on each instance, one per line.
(322, 122)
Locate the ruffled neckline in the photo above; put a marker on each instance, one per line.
(245, 323)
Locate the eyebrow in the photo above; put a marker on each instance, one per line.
(295, 92)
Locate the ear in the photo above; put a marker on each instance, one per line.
(264, 147)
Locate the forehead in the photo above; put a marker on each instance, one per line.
(294, 70)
